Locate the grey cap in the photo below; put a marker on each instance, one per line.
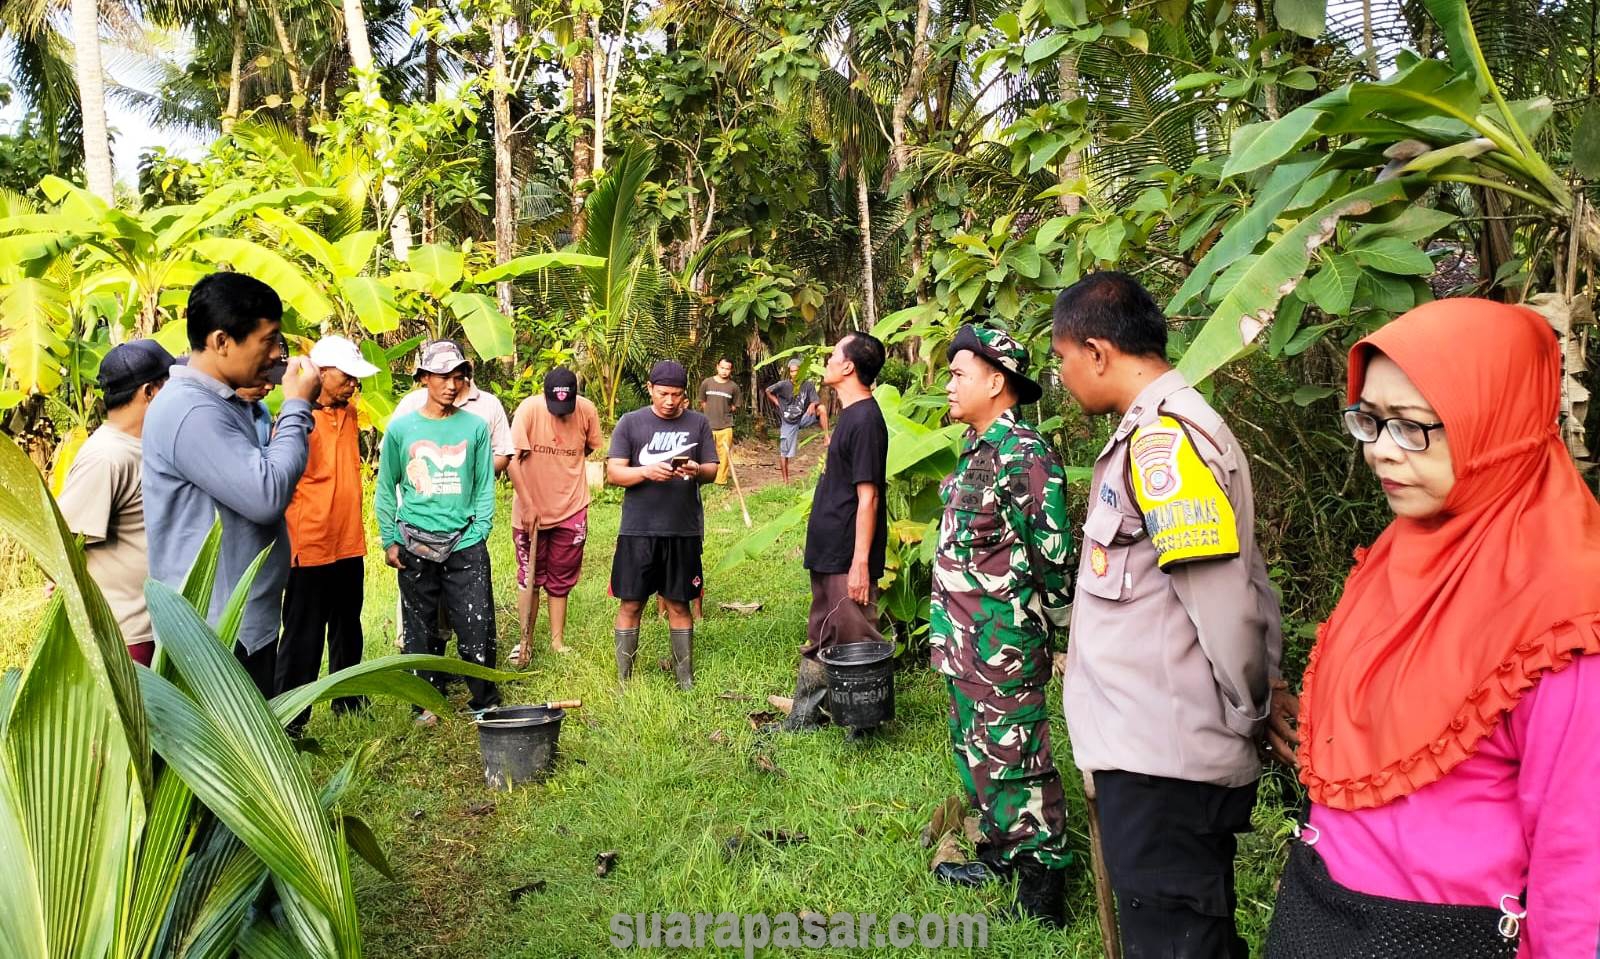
(442, 356)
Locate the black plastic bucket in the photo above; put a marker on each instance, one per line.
(518, 744)
(860, 684)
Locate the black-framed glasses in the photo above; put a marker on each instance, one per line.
(1409, 435)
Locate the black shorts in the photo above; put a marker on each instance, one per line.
(667, 565)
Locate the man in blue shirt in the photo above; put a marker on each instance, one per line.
(203, 458)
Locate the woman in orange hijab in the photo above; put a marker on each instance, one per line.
(1449, 716)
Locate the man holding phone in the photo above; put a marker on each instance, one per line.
(660, 454)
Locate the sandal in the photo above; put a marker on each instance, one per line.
(521, 656)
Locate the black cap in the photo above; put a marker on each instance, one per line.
(560, 391)
(669, 373)
(131, 365)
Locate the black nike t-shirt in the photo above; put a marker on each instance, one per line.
(671, 508)
(858, 452)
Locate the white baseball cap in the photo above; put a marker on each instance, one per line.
(342, 355)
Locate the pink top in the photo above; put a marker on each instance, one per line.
(1518, 814)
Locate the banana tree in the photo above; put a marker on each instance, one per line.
(1433, 123)
(623, 296)
(107, 855)
(343, 266)
(439, 274)
(140, 257)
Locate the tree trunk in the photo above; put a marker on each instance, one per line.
(505, 225)
(430, 90)
(149, 312)
(355, 29)
(92, 94)
(602, 81)
(1262, 29)
(291, 60)
(582, 145)
(900, 150)
(753, 348)
(430, 65)
(1072, 165)
(230, 116)
(864, 212)
(1366, 38)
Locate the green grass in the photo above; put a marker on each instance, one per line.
(642, 773)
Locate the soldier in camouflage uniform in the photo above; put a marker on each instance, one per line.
(998, 582)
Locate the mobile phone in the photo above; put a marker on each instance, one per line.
(274, 374)
(679, 462)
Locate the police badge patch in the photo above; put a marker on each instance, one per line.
(1155, 453)
(1200, 523)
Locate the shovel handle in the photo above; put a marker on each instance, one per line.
(564, 704)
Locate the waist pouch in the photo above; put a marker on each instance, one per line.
(433, 547)
(1316, 918)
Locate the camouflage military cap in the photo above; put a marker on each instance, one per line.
(1004, 353)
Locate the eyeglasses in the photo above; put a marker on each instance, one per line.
(1409, 435)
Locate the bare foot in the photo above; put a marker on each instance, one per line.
(427, 718)
(557, 646)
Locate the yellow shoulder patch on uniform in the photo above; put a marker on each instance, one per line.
(1186, 511)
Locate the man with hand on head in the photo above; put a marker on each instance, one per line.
(322, 604)
(799, 406)
(204, 460)
(660, 454)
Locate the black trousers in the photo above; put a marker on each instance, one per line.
(461, 587)
(1169, 847)
(261, 667)
(321, 606)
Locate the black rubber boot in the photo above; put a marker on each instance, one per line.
(1041, 892)
(627, 649)
(968, 874)
(810, 695)
(683, 657)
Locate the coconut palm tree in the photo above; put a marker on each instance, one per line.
(92, 97)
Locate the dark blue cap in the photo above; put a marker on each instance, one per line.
(669, 373)
(131, 365)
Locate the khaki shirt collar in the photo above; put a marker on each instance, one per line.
(1149, 398)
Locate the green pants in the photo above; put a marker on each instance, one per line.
(1002, 752)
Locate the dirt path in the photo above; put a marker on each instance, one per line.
(757, 459)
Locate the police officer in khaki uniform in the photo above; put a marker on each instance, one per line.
(1175, 631)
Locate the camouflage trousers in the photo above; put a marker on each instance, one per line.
(1002, 752)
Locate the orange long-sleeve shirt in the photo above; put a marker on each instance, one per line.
(325, 515)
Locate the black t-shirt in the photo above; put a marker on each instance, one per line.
(857, 453)
(671, 508)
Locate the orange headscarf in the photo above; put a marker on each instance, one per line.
(1444, 623)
